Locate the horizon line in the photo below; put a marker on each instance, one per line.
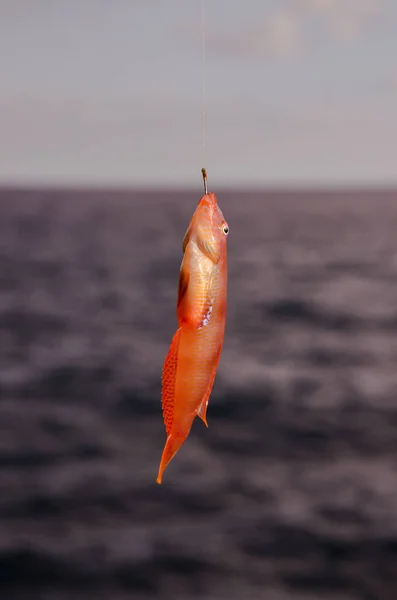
(47, 187)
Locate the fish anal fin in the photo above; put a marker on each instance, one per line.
(169, 381)
(202, 411)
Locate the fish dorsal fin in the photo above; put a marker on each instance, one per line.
(188, 233)
(184, 277)
(169, 380)
(186, 238)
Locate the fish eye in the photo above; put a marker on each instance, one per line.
(225, 229)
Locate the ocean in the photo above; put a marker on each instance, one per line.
(291, 493)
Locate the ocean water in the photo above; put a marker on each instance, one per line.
(291, 493)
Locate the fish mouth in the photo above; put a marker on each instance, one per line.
(209, 200)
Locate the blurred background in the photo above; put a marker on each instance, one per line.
(291, 493)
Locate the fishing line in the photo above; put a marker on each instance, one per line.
(203, 80)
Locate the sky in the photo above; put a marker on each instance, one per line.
(297, 92)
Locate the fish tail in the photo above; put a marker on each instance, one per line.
(171, 447)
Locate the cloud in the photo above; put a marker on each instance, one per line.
(345, 19)
(288, 31)
(278, 35)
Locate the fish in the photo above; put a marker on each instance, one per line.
(191, 364)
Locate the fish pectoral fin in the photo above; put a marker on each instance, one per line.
(189, 311)
(169, 380)
(210, 250)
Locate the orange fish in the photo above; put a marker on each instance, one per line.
(190, 366)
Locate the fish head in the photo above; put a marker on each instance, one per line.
(208, 229)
